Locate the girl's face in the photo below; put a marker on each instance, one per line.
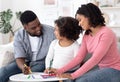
(83, 21)
(56, 32)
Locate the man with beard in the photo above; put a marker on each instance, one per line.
(31, 45)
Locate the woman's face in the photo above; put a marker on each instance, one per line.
(83, 21)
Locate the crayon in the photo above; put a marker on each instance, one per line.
(29, 68)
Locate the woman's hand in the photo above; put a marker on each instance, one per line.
(65, 75)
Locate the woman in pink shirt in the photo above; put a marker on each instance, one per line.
(101, 43)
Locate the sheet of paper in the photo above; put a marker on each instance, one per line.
(45, 76)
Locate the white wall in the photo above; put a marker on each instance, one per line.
(0, 5)
(20, 5)
(45, 14)
(49, 14)
(113, 17)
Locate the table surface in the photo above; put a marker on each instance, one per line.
(34, 77)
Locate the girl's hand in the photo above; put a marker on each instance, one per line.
(52, 70)
(46, 70)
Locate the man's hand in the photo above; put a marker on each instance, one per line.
(26, 69)
(21, 64)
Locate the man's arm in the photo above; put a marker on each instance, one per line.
(20, 62)
(22, 65)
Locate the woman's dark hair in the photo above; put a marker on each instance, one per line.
(68, 27)
(93, 13)
(27, 17)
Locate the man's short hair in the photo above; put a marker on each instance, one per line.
(27, 17)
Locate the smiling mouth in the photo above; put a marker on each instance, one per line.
(38, 32)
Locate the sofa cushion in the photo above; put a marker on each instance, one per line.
(6, 54)
(6, 58)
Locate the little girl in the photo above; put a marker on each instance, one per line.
(64, 48)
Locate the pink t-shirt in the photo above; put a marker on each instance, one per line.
(102, 46)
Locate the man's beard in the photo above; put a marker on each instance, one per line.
(33, 35)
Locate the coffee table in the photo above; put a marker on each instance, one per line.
(34, 77)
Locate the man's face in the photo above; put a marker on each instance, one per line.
(34, 28)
